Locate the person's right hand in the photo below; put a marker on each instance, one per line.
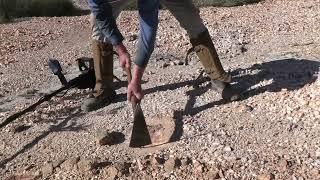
(124, 57)
(135, 93)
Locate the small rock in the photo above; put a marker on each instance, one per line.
(283, 165)
(155, 161)
(133, 37)
(57, 163)
(221, 173)
(164, 65)
(85, 165)
(213, 174)
(227, 149)
(243, 49)
(318, 153)
(150, 72)
(268, 176)
(17, 33)
(171, 164)
(122, 167)
(37, 173)
(245, 108)
(31, 91)
(28, 167)
(199, 169)
(186, 161)
(47, 170)
(103, 137)
(111, 172)
(69, 164)
(315, 173)
(140, 165)
(179, 62)
(47, 33)
(21, 128)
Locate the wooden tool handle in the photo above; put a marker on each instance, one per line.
(129, 77)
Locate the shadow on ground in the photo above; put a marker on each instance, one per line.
(289, 74)
(62, 124)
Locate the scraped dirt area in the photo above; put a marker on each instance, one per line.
(271, 48)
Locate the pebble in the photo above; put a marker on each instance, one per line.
(170, 165)
(133, 37)
(267, 176)
(103, 137)
(227, 149)
(69, 164)
(164, 65)
(85, 165)
(47, 169)
(318, 153)
(111, 172)
(283, 165)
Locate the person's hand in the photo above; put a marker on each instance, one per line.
(135, 93)
(124, 57)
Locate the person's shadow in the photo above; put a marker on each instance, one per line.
(273, 76)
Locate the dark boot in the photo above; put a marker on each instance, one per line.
(103, 92)
(208, 56)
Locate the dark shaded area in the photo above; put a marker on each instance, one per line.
(65, 125)
(202, 3)
(100, 165)
(224, 3)
(289, 74)
(21, 128)
(116, 138)
(178, 130)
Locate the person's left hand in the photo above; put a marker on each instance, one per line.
(124, 57)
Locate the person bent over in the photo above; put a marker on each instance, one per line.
(107, 37)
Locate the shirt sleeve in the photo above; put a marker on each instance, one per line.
(148, 19)
(102, 11)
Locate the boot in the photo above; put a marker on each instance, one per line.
(103, 92)
(208, 56)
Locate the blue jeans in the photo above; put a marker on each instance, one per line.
(183, 10)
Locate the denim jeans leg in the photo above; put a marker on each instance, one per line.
(187, 15)
(117, 6)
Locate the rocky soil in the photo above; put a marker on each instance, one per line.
(272, 50)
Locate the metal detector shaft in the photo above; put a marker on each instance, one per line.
(32, 107)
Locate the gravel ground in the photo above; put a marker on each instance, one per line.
(273, 132)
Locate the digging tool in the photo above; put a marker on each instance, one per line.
(140, 135)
